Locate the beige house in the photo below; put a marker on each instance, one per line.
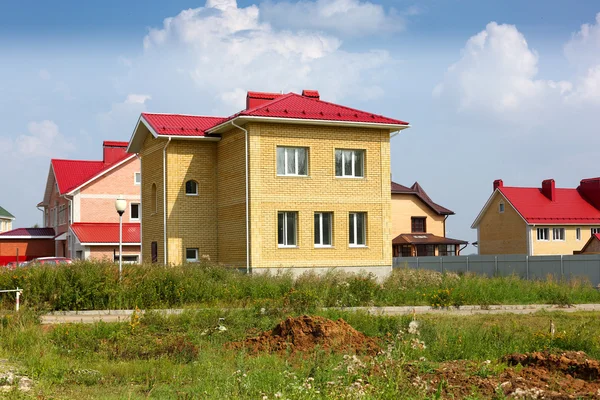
(291, 182)
(6, 220)
(538, 221)
(419, 224)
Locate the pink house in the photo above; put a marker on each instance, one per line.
(79, 203)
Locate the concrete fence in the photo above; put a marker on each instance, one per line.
(526, 267)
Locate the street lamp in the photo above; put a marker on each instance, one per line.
(120, 205)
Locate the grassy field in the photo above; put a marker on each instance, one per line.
(185, 356)
(89, 286)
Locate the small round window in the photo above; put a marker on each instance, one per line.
(191, 188)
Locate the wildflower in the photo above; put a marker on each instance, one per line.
(278, 395)
(413, 327)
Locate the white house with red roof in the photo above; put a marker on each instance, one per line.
(291, 182)
(538, 221)
(79, 204)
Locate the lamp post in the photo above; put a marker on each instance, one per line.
(120, 205)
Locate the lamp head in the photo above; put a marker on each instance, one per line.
(120, 205)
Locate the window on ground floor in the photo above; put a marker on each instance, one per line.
(134, 211)
(357, 229)
(542, 234)
(447, 249)
(287, 228)
(128, 258)
(191, 255)
(406, 250)
(558, 234)
(323, 224)
(425, 250)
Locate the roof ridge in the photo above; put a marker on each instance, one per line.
(352, 109)
(182, 115)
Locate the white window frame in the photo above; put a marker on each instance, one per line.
(131, 218)
(501, 207)
(296, 158)
(286, 241)
(354, 216)
(185, 188)
(355, 152)
(578, 233)
(321, 236)
(135, 180)
(558, 234)
(194, 259)
(545, 235)
(594, 231)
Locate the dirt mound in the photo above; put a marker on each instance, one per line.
(539, 375)
(306, 333)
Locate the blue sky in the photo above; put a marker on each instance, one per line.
(493, 90)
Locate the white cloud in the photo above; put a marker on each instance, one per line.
(583, 50)
(44, 74)
(349, 17)
(497, 72)
(226, 50)
(137, 98)
(44, 139)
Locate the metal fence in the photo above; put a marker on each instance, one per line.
(527, 267)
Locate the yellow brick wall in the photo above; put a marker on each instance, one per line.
(557, 247)
(319, 191)
(151, 157)
(231, 198)
(191, 220)
(405, 206)
(502, 233)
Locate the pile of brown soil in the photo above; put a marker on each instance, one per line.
(539, 375)
(306, 333)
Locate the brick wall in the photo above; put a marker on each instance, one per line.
(502, 233)
(152, 205)
(28, 249)
(321, 190)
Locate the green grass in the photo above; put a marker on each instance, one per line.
(88, 286)
(183, 356)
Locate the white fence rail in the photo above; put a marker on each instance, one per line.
(18, 296)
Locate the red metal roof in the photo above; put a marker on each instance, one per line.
(424, 238)
(29, 232)
(568, 208)
(181, 125)
(100, 232)
(113, 143)
(296, 106)
(418, 191)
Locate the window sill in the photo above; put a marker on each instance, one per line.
(293, 176)
(280, 246)
(191, 194)
(350, 177)
(358, 246)
(134, 220)
(324, 246)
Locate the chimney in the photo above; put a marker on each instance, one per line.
(548, 189)
(589, 189)
(498, 184)
(113, 151)
(255, 99)
(312, 94)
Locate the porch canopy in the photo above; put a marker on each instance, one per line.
(425, 244)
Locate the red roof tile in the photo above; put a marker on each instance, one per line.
(568, 208)
(418, 191)
(181, 125)
(99, 232)
(296, 106)
(34, 233)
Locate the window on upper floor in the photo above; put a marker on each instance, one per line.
(287, 228)
(292, 161)
(595, 230)
(134, 211)
(349, 163)
(558, 234)
(501, 207)
(578, 233)
(418, 225)
(323, 225)
(543, 234)
(137, 178)
(191, 188)
(154, 199)
(357, 229)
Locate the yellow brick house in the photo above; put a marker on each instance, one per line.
(290, 182)
(538, 221)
